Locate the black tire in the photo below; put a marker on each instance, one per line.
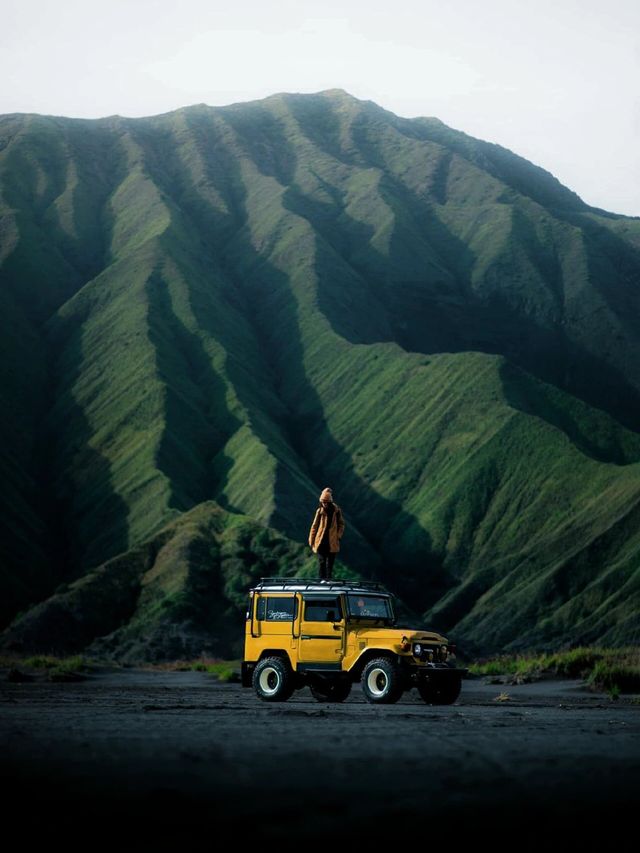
(440, 691)
(336, 690)
(273, 680)
(382, 682)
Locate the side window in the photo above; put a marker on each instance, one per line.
(277, 609)
(322, 610)
(262, 608)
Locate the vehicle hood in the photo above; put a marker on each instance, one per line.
(395, 635)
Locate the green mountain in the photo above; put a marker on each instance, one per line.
(230, 308)
(181, 593)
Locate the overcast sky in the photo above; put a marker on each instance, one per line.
(557, 81)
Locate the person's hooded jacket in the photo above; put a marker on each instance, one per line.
(319, 525)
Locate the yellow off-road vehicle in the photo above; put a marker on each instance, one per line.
(329, 634)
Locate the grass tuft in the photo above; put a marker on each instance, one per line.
(618, 675)
(616, 670)
(227, 671)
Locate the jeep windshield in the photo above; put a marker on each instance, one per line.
(376, 607)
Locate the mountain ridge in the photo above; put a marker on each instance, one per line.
(335, 94)
(146, 262)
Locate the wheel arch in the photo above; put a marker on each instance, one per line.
(275, 653)
(367, 655)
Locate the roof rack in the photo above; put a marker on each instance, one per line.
(305, 583)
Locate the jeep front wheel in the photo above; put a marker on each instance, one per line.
(443, 691)
(331, 691)
(273, 680)
(381, 681)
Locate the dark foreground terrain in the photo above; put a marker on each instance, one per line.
(160, 759)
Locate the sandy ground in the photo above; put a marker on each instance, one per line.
(175, 757)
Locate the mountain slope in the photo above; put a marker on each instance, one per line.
(179, 595)
(244, 304)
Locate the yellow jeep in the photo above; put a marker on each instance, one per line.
(330, 634)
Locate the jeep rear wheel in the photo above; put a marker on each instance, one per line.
(273, 680)
(330, 691)
(381, 681)
(441, 691)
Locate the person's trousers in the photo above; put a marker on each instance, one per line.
(326, 562)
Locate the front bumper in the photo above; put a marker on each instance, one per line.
(434, 670)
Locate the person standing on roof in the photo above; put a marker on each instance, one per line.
(326, 531)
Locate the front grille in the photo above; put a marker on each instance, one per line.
(431, 653)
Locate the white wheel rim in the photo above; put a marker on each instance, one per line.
(377, 681)
(269, 680)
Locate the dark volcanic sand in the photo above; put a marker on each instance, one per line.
(183, 756)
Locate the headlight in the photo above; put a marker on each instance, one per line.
(417, 649)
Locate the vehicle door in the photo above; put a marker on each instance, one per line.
(322, 624)
(275, 614)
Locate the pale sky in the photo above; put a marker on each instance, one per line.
(556, 81)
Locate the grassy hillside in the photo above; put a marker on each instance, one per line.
(245, 304)
(181, 594)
